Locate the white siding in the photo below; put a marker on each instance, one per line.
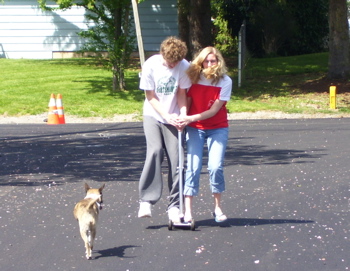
(158, 20)
(28, 32)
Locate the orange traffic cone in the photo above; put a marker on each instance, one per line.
(53, 116)
(60, 110)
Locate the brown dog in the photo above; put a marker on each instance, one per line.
(86, 212)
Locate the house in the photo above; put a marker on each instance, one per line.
(28, 32)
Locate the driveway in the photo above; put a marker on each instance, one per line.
(287, 200)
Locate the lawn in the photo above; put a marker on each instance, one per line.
(85, 87)
(289, 84)
(295, 84)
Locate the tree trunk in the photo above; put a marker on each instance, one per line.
(125, 54)
(117, 68)
(116, 80)
(200, 25)
(195, 26)
(184, 27)
(339, 43)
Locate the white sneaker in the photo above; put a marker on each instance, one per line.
(174, 214)
(145, 209)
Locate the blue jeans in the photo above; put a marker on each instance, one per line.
(216, 140)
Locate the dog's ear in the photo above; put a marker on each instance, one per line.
(87, 187)
(101, 188)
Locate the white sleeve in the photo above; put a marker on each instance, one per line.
(147, 80)
(226, 88)
(184, 80)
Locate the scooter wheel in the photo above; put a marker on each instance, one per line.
(193, 225)
(170, 225)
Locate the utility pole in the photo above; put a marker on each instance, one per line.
(138, 32)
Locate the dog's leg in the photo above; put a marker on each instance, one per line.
(87, 251)
(89, 244)
(93, 235)
(86, 236)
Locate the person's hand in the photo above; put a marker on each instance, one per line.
(172, 119)
(183, 121)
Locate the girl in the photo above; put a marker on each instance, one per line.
(207, 122)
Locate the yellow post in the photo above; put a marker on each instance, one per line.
(332, 97)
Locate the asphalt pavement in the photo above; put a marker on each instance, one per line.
(287, 200)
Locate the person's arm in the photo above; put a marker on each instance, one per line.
(183, 105)
(153, 100)
(182, 101)
(209, 113)
(225, 93)
(205, 114)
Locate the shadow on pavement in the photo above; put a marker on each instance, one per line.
(109, 154)
(114, 252)
(239, 222)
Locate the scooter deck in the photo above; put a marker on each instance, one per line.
(172, 225)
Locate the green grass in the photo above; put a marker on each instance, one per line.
(26, 87)
(263, 67)
(285, 84)
(270, 84)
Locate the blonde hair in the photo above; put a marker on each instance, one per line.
(215, 72)
(173, 49)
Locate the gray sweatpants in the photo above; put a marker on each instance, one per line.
(160, 139)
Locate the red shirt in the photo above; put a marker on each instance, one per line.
(203, 97)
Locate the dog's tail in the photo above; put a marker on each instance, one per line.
(92, 202)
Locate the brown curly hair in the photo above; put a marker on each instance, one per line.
(173, 49)
(215, 72)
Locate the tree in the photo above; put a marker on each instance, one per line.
(311, 27)
(195, 27)
(339, 44)
(109, 33)
(223, 38)
(184, 25)
(280, 27)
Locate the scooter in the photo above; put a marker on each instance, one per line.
(182, 223)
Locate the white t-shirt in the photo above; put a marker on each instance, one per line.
(165, 82)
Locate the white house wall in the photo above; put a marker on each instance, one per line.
(158, 20)
(28, 32)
